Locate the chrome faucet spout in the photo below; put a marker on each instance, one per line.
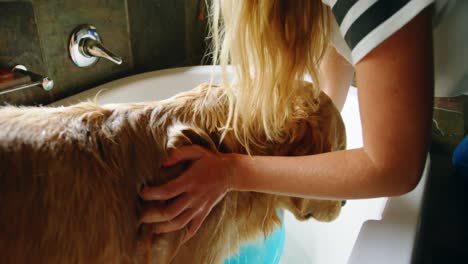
(86, 47)
(96, 49)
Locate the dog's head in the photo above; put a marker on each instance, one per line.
(304, 209)
(312, 132)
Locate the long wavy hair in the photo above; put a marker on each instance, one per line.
(270, 44)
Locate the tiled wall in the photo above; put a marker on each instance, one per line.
(148, 34)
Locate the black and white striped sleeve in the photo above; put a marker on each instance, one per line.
(364, 24)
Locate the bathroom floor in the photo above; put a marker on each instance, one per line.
(444, 237)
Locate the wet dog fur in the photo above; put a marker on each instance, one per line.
(70, 179)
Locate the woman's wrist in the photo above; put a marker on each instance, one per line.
(236, 170)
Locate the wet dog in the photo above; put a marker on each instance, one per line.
(70, 178)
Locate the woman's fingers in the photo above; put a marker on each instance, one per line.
(192, 152)
(177, 186)
(168, 212)
(205, 187)
(177, 223)
(166, 191)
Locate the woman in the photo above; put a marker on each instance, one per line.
(388, 44)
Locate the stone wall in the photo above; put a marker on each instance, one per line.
(147, 34)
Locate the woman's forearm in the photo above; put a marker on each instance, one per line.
(395, 89)
(348, 174)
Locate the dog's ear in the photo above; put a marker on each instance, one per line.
(182, 135)
(164, 247)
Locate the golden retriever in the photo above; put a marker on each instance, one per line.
(70, 179)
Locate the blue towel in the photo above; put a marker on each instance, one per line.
(262, 251)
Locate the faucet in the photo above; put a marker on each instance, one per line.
(35, 80)
(85, 47)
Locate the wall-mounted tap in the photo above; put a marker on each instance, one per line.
(36, 80)
(86, 47)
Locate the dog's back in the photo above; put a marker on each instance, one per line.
(68, 195)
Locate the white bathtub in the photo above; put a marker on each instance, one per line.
(367, 231)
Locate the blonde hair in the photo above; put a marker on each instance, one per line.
(270, 44)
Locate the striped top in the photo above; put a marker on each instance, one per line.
(361, 25)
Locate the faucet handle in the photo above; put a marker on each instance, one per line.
(95, 48)
(86, 47)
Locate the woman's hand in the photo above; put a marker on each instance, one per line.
(195, 192)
